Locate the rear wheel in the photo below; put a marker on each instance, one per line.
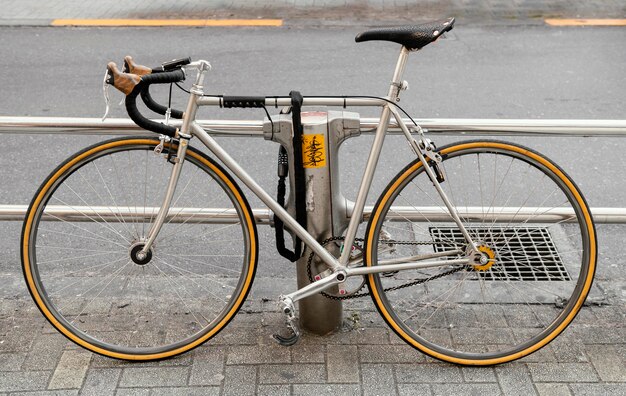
(536, 240)
(90, 219)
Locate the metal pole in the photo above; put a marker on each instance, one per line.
(325, 205)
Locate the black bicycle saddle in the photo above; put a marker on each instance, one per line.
(413, 37)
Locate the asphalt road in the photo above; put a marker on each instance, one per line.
(488, 72)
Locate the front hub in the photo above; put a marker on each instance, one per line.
(137, 256)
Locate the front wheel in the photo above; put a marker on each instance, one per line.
(529, 221)
(87, 224)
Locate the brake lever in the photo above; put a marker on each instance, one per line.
(105, 91)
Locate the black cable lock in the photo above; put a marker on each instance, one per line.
(300, 182)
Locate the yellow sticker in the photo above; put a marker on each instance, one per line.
(313, 151)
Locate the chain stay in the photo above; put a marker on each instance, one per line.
(359, 295)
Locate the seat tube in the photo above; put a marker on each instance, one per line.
(372, 160)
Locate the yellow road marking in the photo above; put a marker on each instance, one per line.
(586, 22)
(167, 22)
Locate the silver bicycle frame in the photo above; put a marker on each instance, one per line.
(339, 266)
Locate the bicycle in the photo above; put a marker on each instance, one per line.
(105, 250)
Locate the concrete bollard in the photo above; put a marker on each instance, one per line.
(326, 207)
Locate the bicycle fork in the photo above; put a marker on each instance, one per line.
(169, 194)
(184, 137)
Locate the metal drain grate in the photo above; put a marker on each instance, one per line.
(522, 253)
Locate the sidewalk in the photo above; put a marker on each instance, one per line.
(312, 12)
(364, 358)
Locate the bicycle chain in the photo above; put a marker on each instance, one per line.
(355, 294)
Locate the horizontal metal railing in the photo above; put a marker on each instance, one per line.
(112, 214)
(482, 127)
(468, 127)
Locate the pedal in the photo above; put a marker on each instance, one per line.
(286, 306)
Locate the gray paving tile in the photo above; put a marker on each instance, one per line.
(258, 354)
(378, 379)
(61, 392)
(562, 372)
(608, 362)
(466, 389)
(23, 381)
(342, 364)
(360, 336)
(139, 377)
(548, 389)
(12, 361)
(514, 379)
(187, 391)
(292, 374)
(610, 334)
(326, 389)
(132, 392)
(71, 370)
(101, 382)
(208, 366)
(46, 352)
(568, 349)
(274, 390)
(236, 335)
(425, 373)
(598, 389)
(240, 380)
(414, 390)
(308, 353)
(479, 374)
(181, 360)
(99, 361)
(543, 355)
(17, 335)
(390, 354)
(609, 314)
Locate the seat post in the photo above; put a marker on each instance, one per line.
(394, 88)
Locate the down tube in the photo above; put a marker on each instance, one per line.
(278, 210)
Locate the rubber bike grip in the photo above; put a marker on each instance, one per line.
(131, 101)
(243, 101)
(124, 82)
(134, 68)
